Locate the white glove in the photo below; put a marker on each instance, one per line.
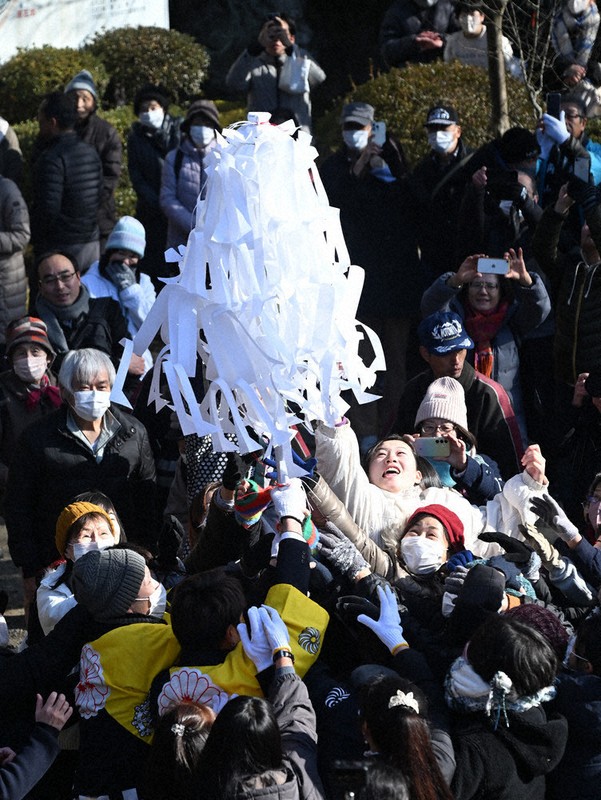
(388, 626)
(256, 645)
(275, 629)
(545, 143)
(556, 128)
(290, 500)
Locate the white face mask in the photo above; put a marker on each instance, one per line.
(440, 141)
(422, 556)
(91, 405)
(470, 23)
(577, 7)
(201, 135)
(153, 118)
(81, 548)
(356, 140)
(158, 601)
(31, 368)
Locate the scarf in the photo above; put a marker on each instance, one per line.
(465, 691)
(45, 391)
(55, 316)
(483, 326)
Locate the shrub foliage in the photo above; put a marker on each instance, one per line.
(136, 56)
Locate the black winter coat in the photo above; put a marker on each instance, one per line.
(103, 137)
(576, 296)
(508, 763)
(51, 466)
(67, 188)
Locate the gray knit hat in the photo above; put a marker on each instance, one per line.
(106, 582)
(444, 399)
(83, 80)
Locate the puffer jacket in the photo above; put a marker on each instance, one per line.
(14, 237)
(67, 189)
(51, 465)
(529, 308)
(576, 295)
(103, 137)
(180, 192)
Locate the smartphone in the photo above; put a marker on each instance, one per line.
(493, 266)
(378, 133)
(432, 446)
(582, 168)
(554, 104)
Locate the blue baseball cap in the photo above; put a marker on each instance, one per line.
(442, 333)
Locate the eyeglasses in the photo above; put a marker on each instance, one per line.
(574, 116)
(488, 285)
(593, 501)
(62, 277)
(429, 428)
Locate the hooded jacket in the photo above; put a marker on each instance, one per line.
(508, 763)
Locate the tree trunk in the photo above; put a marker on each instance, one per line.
(496, 68)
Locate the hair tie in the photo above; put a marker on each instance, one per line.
(178, 729)
(404, 700)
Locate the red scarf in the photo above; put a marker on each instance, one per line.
(45, 390)
(483, 326)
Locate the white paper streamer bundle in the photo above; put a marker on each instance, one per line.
(266, 297)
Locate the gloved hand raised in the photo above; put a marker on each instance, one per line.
(555, 128)
(339, 551)
(290, 500)
(256, 644)
(388, 626)
(120, 275)
(553, 516)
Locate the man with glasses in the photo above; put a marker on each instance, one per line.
(73, 318)
(443, 346)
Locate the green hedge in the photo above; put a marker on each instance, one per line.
(402, 98)
(31, 74)
(136, 56)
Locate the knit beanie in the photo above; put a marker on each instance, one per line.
(483, 588)
(450, 520)
(106, 582)
(128, 234)
(71, 514)
(151, 92)
(444, 399)
(546, 623)
(205, 108)
(83, 80)
(28, 330)
(249, 505)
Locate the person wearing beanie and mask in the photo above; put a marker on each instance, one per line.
(117, 275)
(184, 171)
(436, 188)
(80, 528)
(28, 390)
(365, 180)
(497, 311)
(442, 414)
(87, 442)
(103, 137)
(117, 589)
(150, 138)
(274, 71)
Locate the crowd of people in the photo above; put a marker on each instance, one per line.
(416, 616)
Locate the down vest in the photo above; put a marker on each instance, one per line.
(51, 466)
(14, 236)
(67, 189)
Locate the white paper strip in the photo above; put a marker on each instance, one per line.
(266, 297)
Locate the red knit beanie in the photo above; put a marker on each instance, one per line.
(453, 525)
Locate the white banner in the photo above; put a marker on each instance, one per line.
(68, 23)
